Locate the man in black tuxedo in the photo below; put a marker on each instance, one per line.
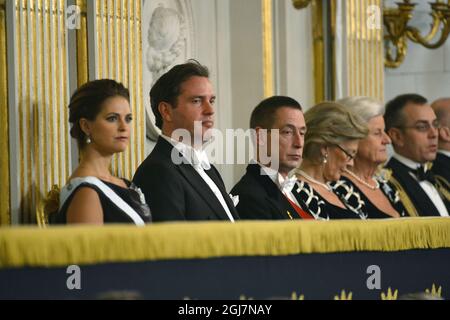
(441, 166)
(176, 178)
(265, 189)
(413, 128)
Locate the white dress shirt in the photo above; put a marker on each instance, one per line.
(285, 185)
(198, 159)
(427, 186)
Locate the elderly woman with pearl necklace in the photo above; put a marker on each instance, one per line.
(364, 177)
(331, 143)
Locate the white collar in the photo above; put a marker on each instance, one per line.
(197, 158)
(271, 173)
(407, 162)
(284, 184)
(444, 152)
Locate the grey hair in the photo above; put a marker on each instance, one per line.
(366, 107)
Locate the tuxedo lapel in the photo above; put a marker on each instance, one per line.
(193, 178)
(202, 188)
(441, 169)
(441, 166)
(421, 201)
(214, 175)
(275, 196)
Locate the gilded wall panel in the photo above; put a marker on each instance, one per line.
(117, 55)
(267, 34)
(365, 66)
(39, 124)
(4, 141)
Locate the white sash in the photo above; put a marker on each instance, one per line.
(107, 191)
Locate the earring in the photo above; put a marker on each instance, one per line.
(88, 140)
(325, 158)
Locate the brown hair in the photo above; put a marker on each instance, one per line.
(87, 101)
(168, 87)
(263, 114)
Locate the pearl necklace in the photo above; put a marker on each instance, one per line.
(308, 177)
(375, 187)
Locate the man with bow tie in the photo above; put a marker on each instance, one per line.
(413, 128)
(441, 166)
(265, 189)
(176, 178)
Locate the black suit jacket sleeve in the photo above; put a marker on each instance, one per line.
(161, 183)
(250, 207)
(260, 198)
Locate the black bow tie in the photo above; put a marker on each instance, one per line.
(424, 174)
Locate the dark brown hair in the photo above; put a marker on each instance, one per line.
(394, 116)
(264, 113)
(87, 101)
(168, 87)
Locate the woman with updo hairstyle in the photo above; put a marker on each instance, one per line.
(100, 114)
(331, 143)
(365, 180)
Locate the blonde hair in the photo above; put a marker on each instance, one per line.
(329, 123)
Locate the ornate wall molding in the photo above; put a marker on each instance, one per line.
(167, 39)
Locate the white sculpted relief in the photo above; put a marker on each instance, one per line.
(166, 39)
(166, 33)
